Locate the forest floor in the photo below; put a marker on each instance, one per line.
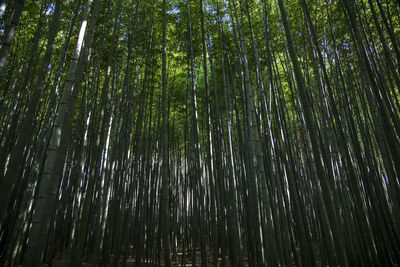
(177, 261)
(180, 260)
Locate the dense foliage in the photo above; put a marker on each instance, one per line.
(211, 132)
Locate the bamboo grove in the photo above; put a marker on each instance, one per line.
(199, 132)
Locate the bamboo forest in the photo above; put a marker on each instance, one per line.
(219, 133)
